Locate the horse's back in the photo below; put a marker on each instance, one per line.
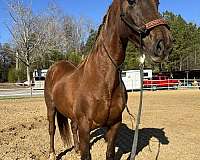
(55, 73)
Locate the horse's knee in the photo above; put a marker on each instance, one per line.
(74, 127)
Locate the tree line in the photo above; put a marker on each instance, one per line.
(39, 40)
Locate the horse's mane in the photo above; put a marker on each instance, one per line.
(98, 33)
(102, 24)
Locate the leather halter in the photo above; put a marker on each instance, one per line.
(156, 23)
(142, 31)
(146, 27)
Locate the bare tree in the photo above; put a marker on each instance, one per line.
(76, 31)
(62, 32)
(25, 32)
(38, 35)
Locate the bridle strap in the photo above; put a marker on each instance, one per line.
(118, 67)
(121, 83)
(130, 25)
(156, 23)
(133, 26)
(146, 27)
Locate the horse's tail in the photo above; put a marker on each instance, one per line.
(64, 129)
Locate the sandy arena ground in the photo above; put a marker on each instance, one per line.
(170, 129)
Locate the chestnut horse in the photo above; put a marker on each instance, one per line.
(91, 94)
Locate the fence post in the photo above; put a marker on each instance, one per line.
(184, 83)
(168, 83)
(187, 79)
(132, 84)
(31, 89)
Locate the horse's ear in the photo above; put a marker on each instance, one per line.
(162, 129)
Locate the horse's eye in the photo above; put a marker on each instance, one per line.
(131, 2)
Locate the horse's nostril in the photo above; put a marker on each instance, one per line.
(159, 48)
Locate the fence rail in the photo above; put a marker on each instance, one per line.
(21, 90)
(18, 90)
(164, 84)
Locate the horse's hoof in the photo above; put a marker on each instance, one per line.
(52, 156)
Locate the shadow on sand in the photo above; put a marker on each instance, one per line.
(125, 139)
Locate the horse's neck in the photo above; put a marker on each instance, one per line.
(107, 44)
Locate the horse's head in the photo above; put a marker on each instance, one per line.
(141, 20)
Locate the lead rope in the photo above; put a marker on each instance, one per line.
(135, 140)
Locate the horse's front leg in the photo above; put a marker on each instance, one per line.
(51, 111)
(74, 127)
(84, 138)
(110, 137)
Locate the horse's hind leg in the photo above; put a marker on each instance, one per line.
(51, 111)
(74, 127)
(110, 137)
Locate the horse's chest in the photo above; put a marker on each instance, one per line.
(108, 111)
(116, 109)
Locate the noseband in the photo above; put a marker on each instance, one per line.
(143, 30)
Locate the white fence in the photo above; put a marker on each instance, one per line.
(18, 90)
